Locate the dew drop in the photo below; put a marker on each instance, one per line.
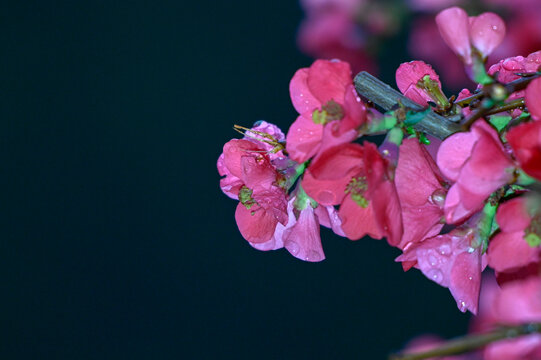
(445, 249)
(435, 275)
(292, 247)
(462, 305)
(494, 27)
(432, 260)
(437, 198)
(313, 256)
(470, 278)
(470, 250)
(511, 64)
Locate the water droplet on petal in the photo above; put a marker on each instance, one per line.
(445, 249)
(438, 197)
(461, 305)
(432, 260)
(292, 247)
(470, 250)
(435, 275)
(313, 256)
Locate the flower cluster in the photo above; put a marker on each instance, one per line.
(453, 206)
(356, 30)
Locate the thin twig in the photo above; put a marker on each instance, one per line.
(471, 342)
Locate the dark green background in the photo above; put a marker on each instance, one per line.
(116, 240)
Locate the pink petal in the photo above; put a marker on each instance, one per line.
(417, 176)
(409, 74)
(302, 240)
(506, 243)
(230, 184)
(255, 224)
(454, 152)
(533, 98)
(466, 280)
(520, 301)
(358, 221)
(355, 111)
(328, 80)
(513, 215)
(453, 24)
(487, 32)
(525, 140)
(450, 261)
(326, 178)
(382, 194)
(304, 138)
(328, 217)
(523, 348)
(234, 150)
(301, 96)
(257, 173)
(454, 209)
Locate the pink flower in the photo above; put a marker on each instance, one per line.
(515, 303)
(409, 79)
(484, 32)
(258, 216)
(478, 164)
(251, 178)
(330, 110)
(509, 251)
(508, 68)
(453, 262)
(357, 178)
(525, 140)
(421, 191)
(533, 98)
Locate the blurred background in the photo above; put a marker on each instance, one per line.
(117, 241)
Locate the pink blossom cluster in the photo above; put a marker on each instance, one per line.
(453, 207)
(357, 30)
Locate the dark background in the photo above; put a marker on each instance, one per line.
(116, 240)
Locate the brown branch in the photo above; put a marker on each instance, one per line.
(387, 98)
(510, 87)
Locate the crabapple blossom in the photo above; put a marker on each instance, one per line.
(514, 303)
(455, 199)
(330, 110)
(484, 32)
(478, 164)
(419, 82)
(520, 224)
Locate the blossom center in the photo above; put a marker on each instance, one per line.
(357, 188)
(245, 197)
(330, 111)
(533, 232)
